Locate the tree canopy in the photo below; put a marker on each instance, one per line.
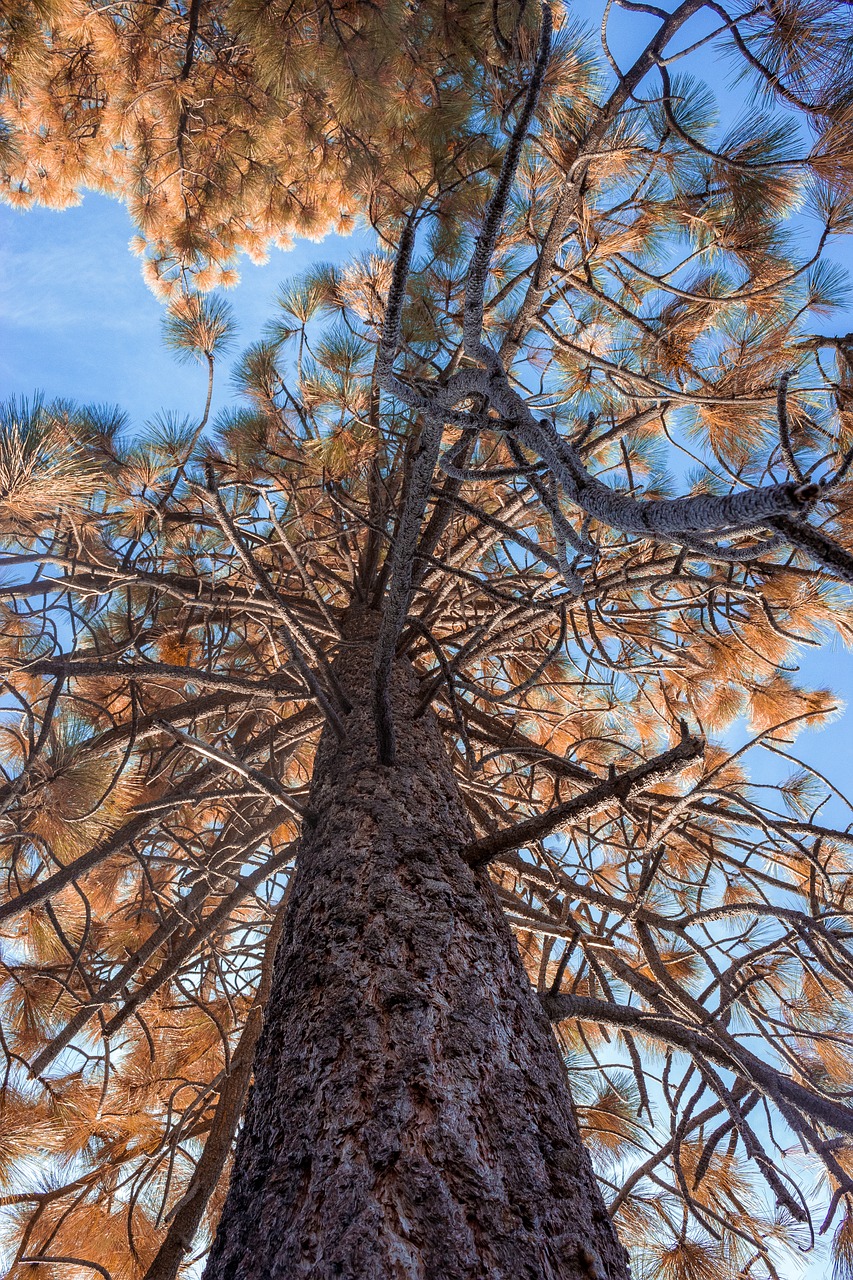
(577, 431)
(227, 127)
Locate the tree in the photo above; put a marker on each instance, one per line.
(228, 126)
(418, 646)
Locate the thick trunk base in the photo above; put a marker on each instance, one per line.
(410, 1116)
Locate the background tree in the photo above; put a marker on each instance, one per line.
(424, 622)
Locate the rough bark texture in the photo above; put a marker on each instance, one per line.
(410, 1115)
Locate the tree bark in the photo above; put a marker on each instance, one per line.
(411, 1117)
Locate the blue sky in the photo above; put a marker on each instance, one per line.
(76, 319)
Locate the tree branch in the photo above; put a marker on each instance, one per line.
(620, 787)
(395, 605)
(187, 1214)
(732, 1057)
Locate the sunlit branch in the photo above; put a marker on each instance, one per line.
(70, 666)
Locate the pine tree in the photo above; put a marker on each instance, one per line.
(230, 126)
(429, 642)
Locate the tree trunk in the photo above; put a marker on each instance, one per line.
(410, 1115)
